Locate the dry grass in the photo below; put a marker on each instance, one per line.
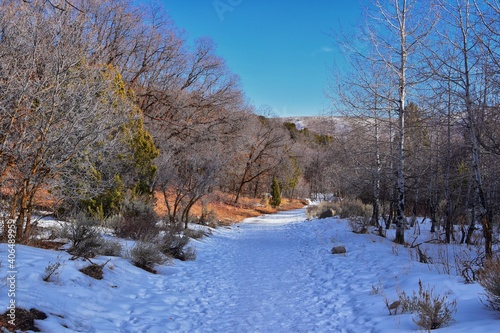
(432, 310)
(489, 278)
(222, 204)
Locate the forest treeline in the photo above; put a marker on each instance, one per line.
(104, 102)
(422, 81)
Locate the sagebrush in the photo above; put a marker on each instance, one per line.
(174, 244)
(489, 278)
(86, 239)
(137, 221)
(84, 235)
(147, 256)
(432, 311)
(344, 208)
(51, 270)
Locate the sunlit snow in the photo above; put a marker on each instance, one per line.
(269, 274)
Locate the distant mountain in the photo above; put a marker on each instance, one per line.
(325, 125)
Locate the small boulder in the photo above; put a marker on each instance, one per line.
(326, 213)
(338, 250)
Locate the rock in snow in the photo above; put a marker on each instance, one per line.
(338, 250)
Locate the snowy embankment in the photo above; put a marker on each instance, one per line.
(269, 274)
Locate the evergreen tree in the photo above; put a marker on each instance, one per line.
(275, 193)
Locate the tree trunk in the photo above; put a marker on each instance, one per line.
(21, 216)
(400, 182)
(376, 182)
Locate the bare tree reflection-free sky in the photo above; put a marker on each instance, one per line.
(280, 49)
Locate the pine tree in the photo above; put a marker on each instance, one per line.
(275, 193)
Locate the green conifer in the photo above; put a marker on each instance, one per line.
(275, 193)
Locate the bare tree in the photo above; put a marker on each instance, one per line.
(462, 65)
(262, 148)
(363, 93)
(57, 104)
(397, 33)
(385, 69)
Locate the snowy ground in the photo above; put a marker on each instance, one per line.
(269, 274)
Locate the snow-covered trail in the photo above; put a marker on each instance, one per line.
(263, 276)
(269, 274)
(273, 274)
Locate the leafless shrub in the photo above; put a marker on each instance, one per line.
(84, 235)
(469, 264)
(208, 217)
(433, 311)
(87, 241)
(52, 270)
(377, 289)
(408, 304)
(138, 221)
(110, 248)
(359, 224)
(189, 254)
(351, 208)
(312, 212)
(94, 270)
(489, 278)
(195, 234)
(423, 257)
(443, 263)
(173, 245)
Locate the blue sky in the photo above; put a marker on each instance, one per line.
(281, 50)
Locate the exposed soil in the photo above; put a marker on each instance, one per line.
(24, 320)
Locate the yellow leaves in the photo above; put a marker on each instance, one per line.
(463, 168)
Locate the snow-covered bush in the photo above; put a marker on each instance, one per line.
(489, 278)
